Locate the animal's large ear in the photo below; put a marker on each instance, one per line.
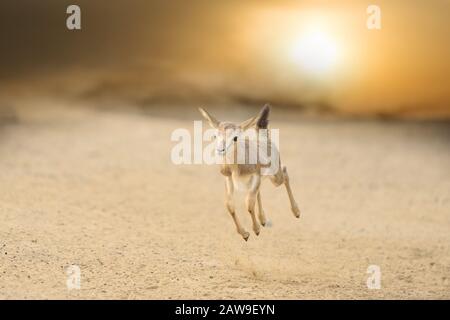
(212, 121)
(260, 121)
(263, 117)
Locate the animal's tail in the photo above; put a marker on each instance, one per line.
(263, 117)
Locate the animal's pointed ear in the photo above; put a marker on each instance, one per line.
(212, 121)
(263, 117)
(247, 124)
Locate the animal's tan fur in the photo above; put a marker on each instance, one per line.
(249, 173)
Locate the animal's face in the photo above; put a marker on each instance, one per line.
(227, 133)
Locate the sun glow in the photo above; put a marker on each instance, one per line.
(315, 51)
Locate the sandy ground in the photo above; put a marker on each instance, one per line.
(96, 188)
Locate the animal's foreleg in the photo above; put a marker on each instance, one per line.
(250, 201)
(231, 209)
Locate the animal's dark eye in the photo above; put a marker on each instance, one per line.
(235, 138)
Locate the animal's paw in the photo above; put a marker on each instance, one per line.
(296, 211)
(262, 219)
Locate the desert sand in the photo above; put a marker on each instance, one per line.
(95, 187)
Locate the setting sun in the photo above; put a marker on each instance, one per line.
(315, 52)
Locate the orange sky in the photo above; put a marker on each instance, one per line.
(237, 48)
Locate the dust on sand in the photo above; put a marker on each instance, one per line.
(96, 188)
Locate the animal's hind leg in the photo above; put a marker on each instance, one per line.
(261, 215)
(278, 178)
(294, 207)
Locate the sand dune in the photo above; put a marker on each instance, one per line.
(96, 188)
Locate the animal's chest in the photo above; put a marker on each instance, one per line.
(242, 183)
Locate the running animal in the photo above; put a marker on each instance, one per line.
(247, 175)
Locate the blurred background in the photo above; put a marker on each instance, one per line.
(315, 55)
(86, 177)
